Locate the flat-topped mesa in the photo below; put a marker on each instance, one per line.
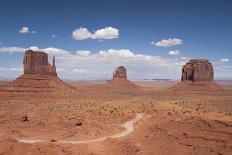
(197, 70)
(197, 75)
(120, 72)
(36, 62)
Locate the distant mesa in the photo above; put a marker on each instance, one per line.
(197, 74)
(120, 80)
(39, 75)
(197, 70)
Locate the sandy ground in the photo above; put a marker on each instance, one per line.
(172, 122)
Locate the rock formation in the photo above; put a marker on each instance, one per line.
(120, 72)
(39, 75)
(120, 80)
(197, 70)
(197, 74)
(37, 63)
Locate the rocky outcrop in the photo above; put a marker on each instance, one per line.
(120, 72)
(36, 62)
(197, 75)
(197, 70)
(39, 76)
(120, 80)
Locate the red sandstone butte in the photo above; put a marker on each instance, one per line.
(36, 62)
(120, 72)
(197, 74)
(39, 75)
(120, 80)
(197, 70)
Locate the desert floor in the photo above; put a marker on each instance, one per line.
(171, 122)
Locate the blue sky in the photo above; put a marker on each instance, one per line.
(192, 28)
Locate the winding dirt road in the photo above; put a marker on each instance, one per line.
(129, 128)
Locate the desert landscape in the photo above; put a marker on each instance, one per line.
(41, 114)
(115, 77)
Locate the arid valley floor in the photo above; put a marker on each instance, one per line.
(172, 122)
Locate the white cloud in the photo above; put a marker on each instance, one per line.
(168, 42)
(60, 70)
(53, 36)
(116, 53)
(175, 52)
(184, 58)
(19, 69)
(50, 50)
(105, 33)
(80, 71)
(83, 53)
(81, 34)
(24, 30)
(100, 65)
(224, 60)
(222, 71)
(11, 49)
(33, 32)
(34, 48)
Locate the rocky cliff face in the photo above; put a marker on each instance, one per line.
(197, 70)
(120, 72)
(36, 62)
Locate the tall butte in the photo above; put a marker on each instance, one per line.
(39, 75)
(197, 74)
(120, 80)
(37, 63)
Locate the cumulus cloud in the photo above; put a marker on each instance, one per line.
(224, 60)
(24, 29)
(167, 42)
(175, 52)
(105, 33)
(81, 34)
